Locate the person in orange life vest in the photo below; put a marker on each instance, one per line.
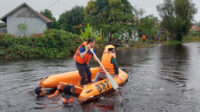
(82, 57)
(144, 38)
(109, 62)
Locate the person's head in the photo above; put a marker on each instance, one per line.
(91, 41)
(39, 91)
(111, 50)
(68, 89)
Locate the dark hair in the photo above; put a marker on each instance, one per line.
(109, 43)
(38, 91)
(67, 89)
(111, 49)
(90, 40)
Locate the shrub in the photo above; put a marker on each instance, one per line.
(51, 44)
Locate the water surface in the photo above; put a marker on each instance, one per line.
(164, 78)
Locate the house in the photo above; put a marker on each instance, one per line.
(24, 20)
(194, 28)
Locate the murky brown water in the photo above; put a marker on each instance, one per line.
(161, 79)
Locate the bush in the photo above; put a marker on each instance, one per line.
(51, 44)
(190, 38)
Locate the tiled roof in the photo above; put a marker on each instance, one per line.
(44, 17)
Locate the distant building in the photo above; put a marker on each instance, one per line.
(194, 28)
(34, 21)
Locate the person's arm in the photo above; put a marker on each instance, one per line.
(50, 91)
(59, 86)
(114, 62)
(83, 51)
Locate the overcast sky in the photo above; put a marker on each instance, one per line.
(59, 6)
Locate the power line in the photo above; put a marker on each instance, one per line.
(53, 4)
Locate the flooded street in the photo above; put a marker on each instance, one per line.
(164, 78)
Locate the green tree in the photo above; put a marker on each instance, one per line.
(72, 20)
(197, 23)
(2, 24)
(22, 27)
(148, 26)
(47, 13)
(113, 17)
(177, 16)
(137, 13)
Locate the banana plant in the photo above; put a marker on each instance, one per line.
(88, 33)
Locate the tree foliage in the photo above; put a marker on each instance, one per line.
(148, 26)
(72, 20)
(197, 23)
(47, 13)
(177, 16)
(51, 44)
(2, 24)
(113, 17)
(138, 12)
(89, 32)
(22, 27)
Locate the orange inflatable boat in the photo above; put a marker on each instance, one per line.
(91, 91)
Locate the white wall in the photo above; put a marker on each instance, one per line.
(34, 24)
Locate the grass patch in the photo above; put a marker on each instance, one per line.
(191, 39)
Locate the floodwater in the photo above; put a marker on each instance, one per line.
(164, 78)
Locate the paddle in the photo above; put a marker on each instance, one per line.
(109, 77)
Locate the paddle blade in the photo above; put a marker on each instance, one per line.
(112, 81)
(109, 77)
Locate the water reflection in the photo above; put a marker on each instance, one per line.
(133, 57)
(161, 79)
(174, 63)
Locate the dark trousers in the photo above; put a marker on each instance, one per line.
(84, 72)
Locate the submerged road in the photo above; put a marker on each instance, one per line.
(163, 78)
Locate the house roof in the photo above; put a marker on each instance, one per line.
(45, 19)
(194, 28)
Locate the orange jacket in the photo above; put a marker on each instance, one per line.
(106, 62)
(67, 100)
(144, 37)
(86, 58)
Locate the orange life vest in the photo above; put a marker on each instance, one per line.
(144, 37)
(67, 100)
(106, 62)
(86, 58)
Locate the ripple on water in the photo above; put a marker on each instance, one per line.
(161, 79)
